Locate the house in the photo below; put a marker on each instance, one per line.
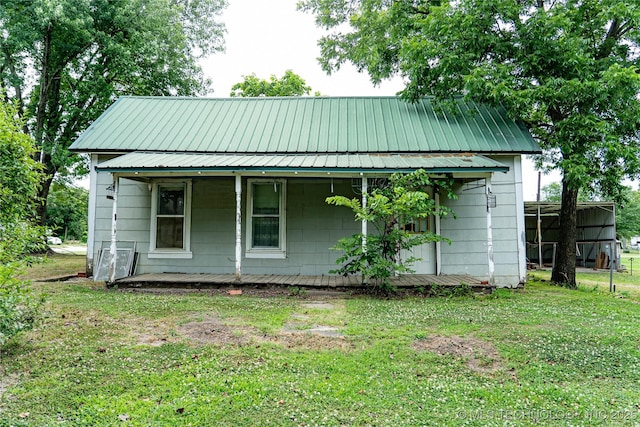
(238, 185)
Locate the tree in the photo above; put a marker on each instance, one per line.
(628, 215)
(67, 208)
(19, 180)
(290, 84)
(64, 62)
(553, 193)
(389, 210)
(566, 68)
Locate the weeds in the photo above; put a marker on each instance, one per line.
(296, 291)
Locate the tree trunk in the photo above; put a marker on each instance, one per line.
(43, 193)
(564, 271)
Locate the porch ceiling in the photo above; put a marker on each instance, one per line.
(373, 162)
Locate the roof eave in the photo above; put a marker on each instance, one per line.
(195, 170)
(288, 153)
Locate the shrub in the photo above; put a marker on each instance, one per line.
(19, 235)
(390, 210)
(18, 307)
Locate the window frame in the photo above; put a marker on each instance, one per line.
(419, 225)
(265, 252)
(185, 251)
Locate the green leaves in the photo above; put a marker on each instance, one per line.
(628, 215)
(566, 69)
(19, 179)
(290, 84)
(18, 307)
(64, 62)
(390, 211)
(67, 208)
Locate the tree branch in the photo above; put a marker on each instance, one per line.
(613, 35)
(12, 70)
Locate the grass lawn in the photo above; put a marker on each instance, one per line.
(539, 356)
(626, 283)
(55, 265)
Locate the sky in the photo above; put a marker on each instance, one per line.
(269, 37)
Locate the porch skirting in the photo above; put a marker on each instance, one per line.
(179, 280)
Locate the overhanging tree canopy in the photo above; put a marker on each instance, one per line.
(566, 68)
(65, 61)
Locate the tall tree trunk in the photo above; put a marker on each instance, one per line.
(43, 193)
(43, 138)
(564, 271)
(43, 95)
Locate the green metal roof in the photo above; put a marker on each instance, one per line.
(320, 125)
(171, 162)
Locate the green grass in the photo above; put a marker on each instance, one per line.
(626, 282)
(56, 265)
(545, 356)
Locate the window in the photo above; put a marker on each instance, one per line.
(417, 225)
(170, 220)
(266, 219)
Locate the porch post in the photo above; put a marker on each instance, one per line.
(238, 228)
(520, 226)
(113, 249)
(91, 220)
(489, 234)
(365, 189)
(438, 247)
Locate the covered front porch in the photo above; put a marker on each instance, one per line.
(197, 233)
(412, 281)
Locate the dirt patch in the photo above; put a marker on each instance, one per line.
(212, 330)
(481, 356)
(150, 339)
(321, 330)
(319, 305)
(308, 341)
(7, 381)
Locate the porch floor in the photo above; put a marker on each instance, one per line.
(332, 282)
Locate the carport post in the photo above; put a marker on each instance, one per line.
(613, 258)
(113, 248)
(238, 228)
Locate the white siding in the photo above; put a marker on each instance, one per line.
(467, 253)
(313, 227)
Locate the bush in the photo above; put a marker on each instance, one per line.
(18, 307)
(19, 235)
(391, 210)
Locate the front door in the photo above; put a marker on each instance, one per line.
(426, 252)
